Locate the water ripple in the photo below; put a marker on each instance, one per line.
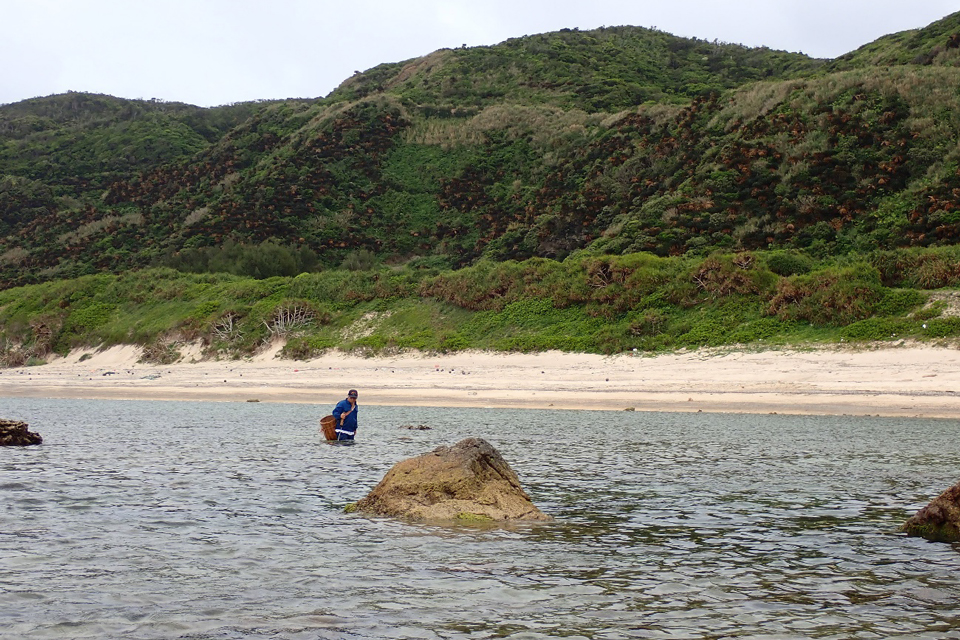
(221, 521)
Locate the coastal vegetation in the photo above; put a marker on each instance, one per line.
(600, 191)
(587, 303)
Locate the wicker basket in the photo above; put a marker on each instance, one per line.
(328, 425)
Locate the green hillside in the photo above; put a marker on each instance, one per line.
(562, 147)
(937, 44)
(78, 142)
(92, 183)
(603, 70)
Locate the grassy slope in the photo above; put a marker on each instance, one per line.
(806, 174)
(77, 141)
(936, 44)
(604, 70)
(89, 198)
(843, 162)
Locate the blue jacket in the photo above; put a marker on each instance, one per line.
(349, 427)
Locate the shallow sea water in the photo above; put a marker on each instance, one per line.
(225, 521)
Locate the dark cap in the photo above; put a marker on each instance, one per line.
(352, 393)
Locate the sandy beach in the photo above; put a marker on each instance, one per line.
(899, 380)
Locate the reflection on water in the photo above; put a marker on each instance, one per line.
(222, 521)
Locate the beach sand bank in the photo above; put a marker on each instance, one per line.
(904, 380)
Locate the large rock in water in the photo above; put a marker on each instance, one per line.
(939, 521)
(15, 434)
(468, 481)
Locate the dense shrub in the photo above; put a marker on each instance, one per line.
(759, 329)
(919, 268)
(264, 260)
(788, 263)
(307, 347)
(651, 322)
(878, 329)
(727, 275)
(588, 303)
(834, 297)
(943, 328)
(896, 302)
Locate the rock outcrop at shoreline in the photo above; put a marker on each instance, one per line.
(469, 481)
(939, 521)
(15, 434)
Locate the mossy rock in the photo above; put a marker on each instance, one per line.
(939, 521)
(934, 533)
(466, 482)
(14, 433)
(465, 516)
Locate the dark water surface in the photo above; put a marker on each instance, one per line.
(219, 520)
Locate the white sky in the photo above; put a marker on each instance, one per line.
(211, 52)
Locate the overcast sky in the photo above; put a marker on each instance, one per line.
(211, 52)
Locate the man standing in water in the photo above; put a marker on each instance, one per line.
(346, 415)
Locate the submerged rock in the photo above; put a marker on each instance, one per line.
(468, 481)
(939, 521)
(15, 434)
